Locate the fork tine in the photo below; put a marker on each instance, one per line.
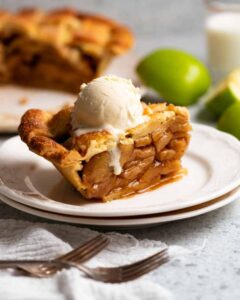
(91, 253)
(146, 270)
(82, 253)
(145, 260)
(144, 265)
(124, 273)
(86, 253)
(82, 248)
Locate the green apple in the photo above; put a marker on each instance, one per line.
(177, 76)
(225, 94)
(230, 120)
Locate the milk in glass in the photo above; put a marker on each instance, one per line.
(223, 40)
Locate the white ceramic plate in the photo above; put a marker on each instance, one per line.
(131, 222)
(212, 160)
(16, 100)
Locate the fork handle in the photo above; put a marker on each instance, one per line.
(4, 264)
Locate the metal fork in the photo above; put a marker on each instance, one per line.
(112, 275)
(126, 272)
(78, 255)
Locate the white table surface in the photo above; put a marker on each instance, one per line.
(215, 274)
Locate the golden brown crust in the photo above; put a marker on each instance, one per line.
(34, 123)
(58, 49)
(150, 152)
(79, 26)
(38, 130)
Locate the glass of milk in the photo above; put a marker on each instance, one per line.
(223, 37)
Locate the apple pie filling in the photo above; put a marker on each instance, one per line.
(150, 153)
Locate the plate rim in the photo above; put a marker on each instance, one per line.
(150, 210)
(123, 223)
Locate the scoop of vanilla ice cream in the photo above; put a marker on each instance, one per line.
(107, 102)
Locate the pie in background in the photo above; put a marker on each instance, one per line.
(59, 49)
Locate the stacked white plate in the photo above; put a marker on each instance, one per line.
(31, 184)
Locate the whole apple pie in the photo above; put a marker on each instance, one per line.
(59, 49)
(110, 145)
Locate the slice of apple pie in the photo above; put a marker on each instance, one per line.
(104, 162)
(59, 49)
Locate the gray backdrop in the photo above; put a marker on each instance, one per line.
(177, 23)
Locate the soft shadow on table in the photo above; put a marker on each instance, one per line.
(61, 191)
(7, 135)
(47, 181)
